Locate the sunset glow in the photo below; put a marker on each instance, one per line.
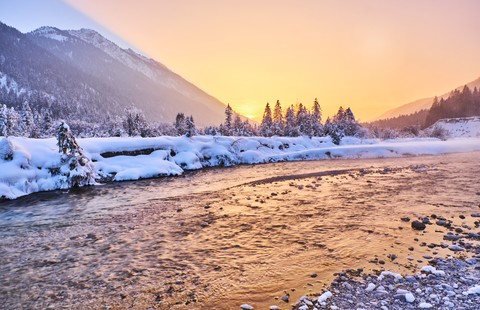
(370, 55)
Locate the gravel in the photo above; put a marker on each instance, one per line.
(441, 283)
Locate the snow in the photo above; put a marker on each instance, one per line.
(460, 127)
(433, 270)
(10, 84)
(51, 33)
(146, 66)
(28, 165)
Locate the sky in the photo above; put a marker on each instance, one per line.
(370, 55)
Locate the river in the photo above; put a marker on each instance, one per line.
(218, 238)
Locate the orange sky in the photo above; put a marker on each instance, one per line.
(371, 55)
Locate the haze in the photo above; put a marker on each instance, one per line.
(369, 55)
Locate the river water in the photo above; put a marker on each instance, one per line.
(218, 238)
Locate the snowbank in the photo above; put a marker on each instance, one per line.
(460, 127)
(31, 165)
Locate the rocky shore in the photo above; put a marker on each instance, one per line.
(449, 282)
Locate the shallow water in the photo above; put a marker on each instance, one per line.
(218, 238)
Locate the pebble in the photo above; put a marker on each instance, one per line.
(246, 307)
(455, 248)
(409, 297)
(418, 225)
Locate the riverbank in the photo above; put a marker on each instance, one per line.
(444, 282)
(33, 165)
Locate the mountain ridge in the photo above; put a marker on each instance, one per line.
(420, 104)
(80, 72)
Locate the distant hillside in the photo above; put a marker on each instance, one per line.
(79, 74)
(460, 103)
(422, 104)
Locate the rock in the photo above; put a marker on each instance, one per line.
(458, 230)
(246, 307)
(451, 237)
(274, 308)
(462, 216)
(392, 256)
(313, 275)
(418, 225)
(405, 219)
(425, 305)
(285, 298)
(441, 223)
(475, 214)
(409, 297)
(370, 287)
(455, 248)
(425, 220)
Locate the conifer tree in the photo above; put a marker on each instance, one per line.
(291, 129)
(316, 119)
(190, 127)
(266, 126)
(278, 122)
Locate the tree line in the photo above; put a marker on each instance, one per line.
(295, 121)
(460, 103)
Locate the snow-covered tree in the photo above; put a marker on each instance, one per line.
(266, 126)
(316, 119)
(226, 129)
(134, 122)
(291, 129)
(76, 167)
(190, 127)
(27, 122)
(303, 120)
(278, 127)
(180, 124)
(3, 120)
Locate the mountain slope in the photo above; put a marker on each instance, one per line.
(422, 104)
(79, 73)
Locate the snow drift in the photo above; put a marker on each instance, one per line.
(32, 165)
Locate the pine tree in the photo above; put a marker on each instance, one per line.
(351, 125)
(76, 167)
(291, 129)
(27, 121)
(134, 122)
(190, 127)
(227, 127)
(316, 119)
(266, 126)
(303, 120)
(278, 122)
(3, 120)
(180, 124)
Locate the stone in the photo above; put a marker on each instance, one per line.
(417, 225)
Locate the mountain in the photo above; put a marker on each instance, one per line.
(81, 74)
(422, 104)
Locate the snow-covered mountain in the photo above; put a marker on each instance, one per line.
(460, 127)
(80, 72)
(421, 104)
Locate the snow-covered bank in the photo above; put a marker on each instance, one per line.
(31, 165)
